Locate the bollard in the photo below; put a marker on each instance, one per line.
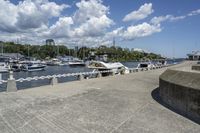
(11, 83)
(112, 73)
(122, 71)
(130, 71)
(80, 77)
(54, 81)
(99, 75)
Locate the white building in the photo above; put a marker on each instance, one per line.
(140, 50)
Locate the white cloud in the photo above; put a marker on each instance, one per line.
(8, 15)
(88, 9)
(171, 18)
(91, 18)
(140, 30)
(134, 31)
(27, 14)
(94, 26)
(144, 11)
(89, 23)
(62, 28)
(195, 12)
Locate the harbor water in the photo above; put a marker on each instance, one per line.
(51, 70)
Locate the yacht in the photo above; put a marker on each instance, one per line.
(76, 62)
(54, 62)
(103, 66)
(16, 66)
(65, 60)
(31, 66)
(147, 65)
(4, 67)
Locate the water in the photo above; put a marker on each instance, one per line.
(51, 70)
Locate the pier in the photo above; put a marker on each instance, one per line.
(113, 104)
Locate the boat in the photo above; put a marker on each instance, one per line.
(146, 65)
(16, 66)
(103, 66)
(54, 62)
(65, 60)
(4, 67)
(33, 66)
(76, 62)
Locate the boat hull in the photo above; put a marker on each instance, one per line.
(76, 64)
(32, 69)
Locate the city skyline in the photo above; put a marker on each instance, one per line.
(167, 28)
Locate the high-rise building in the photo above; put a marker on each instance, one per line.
(50, 42)
(113, 42)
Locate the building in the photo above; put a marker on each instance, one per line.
(50, 42)
(195, 55)
(139, 50)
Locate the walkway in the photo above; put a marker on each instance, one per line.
(118, 104)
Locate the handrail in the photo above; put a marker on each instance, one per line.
(77, 74)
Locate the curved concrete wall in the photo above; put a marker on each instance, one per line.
(181, 91)
(196, 67)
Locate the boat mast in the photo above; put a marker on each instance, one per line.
(58, 50)
(113, 41)
(1, 48)
(28, 51)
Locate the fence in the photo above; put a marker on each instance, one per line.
(11, 81)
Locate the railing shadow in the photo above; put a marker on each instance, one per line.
(157, 98)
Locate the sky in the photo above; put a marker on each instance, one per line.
(167, 27)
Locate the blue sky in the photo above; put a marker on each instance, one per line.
(170, 27)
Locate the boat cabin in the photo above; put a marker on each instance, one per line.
(195, 55)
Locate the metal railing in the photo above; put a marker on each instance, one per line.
(11, 82)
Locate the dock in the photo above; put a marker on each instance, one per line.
(113, 104)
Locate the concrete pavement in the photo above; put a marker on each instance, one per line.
(118, 104)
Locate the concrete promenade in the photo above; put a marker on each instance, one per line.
(117, 104)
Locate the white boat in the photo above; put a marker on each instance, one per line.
(76, 62)
(33, 66)
(147, 65)
(54, 62)
(101, 66)
(3, 67)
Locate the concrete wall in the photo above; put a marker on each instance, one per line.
(196, 67)
(181, 91)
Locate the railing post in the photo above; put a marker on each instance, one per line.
(112, 73)
(11, 83)
(99, 75)
(80, 77)
(130, 71)
(54, 81)
(122, 71)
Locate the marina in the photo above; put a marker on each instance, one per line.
(100, 105)
(99, 66)
(55, 70)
